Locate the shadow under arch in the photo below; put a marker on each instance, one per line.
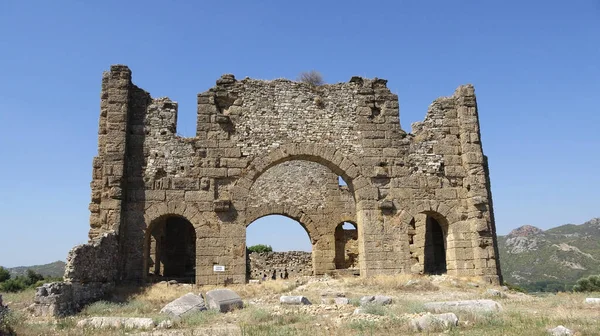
(435, 244)
(170, 249)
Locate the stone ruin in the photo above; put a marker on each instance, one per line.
(297, 264)
(170, 207)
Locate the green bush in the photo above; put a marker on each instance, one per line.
(260, 248)
(4, 274)
(589, 284)
(32, 278)
(13, 285)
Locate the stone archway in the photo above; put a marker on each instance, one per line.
(432, 234)
(171, 249)
(314, 198)
(346, 246)
(434, 250)
(296, 263)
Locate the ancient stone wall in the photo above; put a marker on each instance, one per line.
(90, 273)
(277, 147)
(297, 263)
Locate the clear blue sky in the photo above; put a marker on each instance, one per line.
(535, 66)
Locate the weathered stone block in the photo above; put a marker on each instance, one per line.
(294, 300)
(186, 304)
(224, 300)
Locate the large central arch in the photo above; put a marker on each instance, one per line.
(338, 204)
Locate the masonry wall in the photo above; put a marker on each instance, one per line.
(277, 147)
(297, 263)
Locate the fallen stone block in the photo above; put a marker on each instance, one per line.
(560, 331)
(466, 305)
(359, 311)
(117, 322)
(341, 301)
(375, 299)
(495, 293)
(224, 300)
(592, 301)
(166, 324)
(253, 282)
(294, 300)
(188, 303)
(434, 322)
(366, 299)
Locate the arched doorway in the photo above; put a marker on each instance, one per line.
(171, 253)
(346, 246)
(291, 248)
(434, 255)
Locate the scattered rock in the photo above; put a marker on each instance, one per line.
(341, 301)
(359, 311)
(294, 300)
(560, 331)
(466, 305)
(411, 283)
(433, 322)
(188, 303)
(375, 299)
(254, 282)
(473, 284)
(224, 300)
(592, 300)
(166, 324)
(495, 293)
(117, 322)
(172, 282)
(505, 288)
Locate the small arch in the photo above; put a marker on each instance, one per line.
(435, 245)
(171, 249)
(346, 245)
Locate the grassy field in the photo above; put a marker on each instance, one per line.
(263, 315)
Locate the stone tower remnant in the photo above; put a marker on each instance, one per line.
(165, 206)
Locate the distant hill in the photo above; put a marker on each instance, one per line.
(55, 269)
(553, 259)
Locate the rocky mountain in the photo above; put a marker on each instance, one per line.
(553, 259)
(54, 269)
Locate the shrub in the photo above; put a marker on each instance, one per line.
(312, 77)
(32, 277)
(4, 274)
(13, 285)
(589, 284)
(260, 248)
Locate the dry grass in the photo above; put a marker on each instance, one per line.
(522, 314)
(392, 283)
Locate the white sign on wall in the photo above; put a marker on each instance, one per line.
(218, 268)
